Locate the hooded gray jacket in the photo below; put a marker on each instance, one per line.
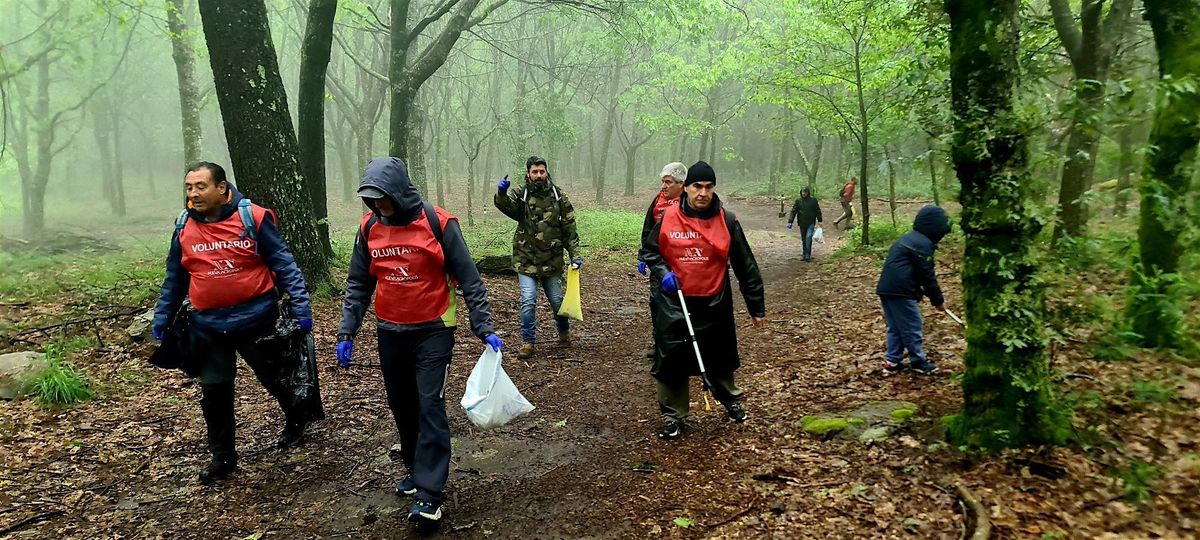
(389, 175)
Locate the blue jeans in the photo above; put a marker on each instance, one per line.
(905, 331)
(808, 236)
(553, 287)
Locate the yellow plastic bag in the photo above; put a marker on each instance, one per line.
(571, 307)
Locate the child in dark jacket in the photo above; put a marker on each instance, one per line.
(908, 274)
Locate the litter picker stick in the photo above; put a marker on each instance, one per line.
(956, 319)
(695, 347)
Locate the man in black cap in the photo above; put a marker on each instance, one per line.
(691, 250)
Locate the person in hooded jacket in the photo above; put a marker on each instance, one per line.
(692, 250)
(230, 275)
(409, 254)
(908, 275)
(806, 212)
(545, 228)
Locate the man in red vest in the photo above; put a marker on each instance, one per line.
(409, 254)
(673, 175)
(847, 198)
(691, 250)
(227, 257)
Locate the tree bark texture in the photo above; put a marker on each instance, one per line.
(310, 118)
(1006, 387)
(185, 73)
(262, 143)
(1154, 311)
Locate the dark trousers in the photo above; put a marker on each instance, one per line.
(905, 330)
(673, 395)
(218, 368)
(415, 364)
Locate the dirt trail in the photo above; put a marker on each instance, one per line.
(585, 463)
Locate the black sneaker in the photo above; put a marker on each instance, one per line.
(671, 430)
(735, 412)
(890, 368)
(291, 435)
(217, 470)
(406, 487)
(927, 368)
(425, 515)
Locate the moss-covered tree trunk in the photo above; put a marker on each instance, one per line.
(1153, 311)
(185, 73)
(262, 142)
(310, 118)
(1006, 387)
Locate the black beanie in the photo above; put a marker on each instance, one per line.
(700, 172)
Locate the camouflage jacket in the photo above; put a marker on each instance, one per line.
(545, 227)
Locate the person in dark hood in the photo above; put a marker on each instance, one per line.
(908, 275)
(806, 212)
(228, 257)
(409, 254)
(691, 250)
(545, 229)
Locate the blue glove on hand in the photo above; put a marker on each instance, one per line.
(576, 263)
(158, 332)
(494, 341)
(789, 226)
(344, 350)
(670, 283)
(642, 267)
(503, 185)
(305, 323)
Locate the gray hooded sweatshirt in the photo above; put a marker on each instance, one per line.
(388, 174)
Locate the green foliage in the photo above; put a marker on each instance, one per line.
(60, 384)
(1137, 477)
(1147, 392)
(883, 233)
(127, 273)
(1154, 311)
(684, 522)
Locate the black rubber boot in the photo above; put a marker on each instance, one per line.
(216, 402)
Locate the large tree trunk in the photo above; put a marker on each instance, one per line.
(262, 143)
(1090, 48)
(1006, 387)
(610, 122)
(310, 118)
(185, 73)
(1154, 311)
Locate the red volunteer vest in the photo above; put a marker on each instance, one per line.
(697, 250)
(661, 204)
(225, 267)
(410, 270)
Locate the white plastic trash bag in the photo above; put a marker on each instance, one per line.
(819, 235)
(492, 399)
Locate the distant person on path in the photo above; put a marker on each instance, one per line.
(908, 274)
(692, 249)
(847, 199)
(228, 257)
(673, 175)
(545, 229)
(409, 254)
(806, 212)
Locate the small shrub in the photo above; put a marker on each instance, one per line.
(1137, 477)
(1150, 393)
(61, 384)
(883, 233)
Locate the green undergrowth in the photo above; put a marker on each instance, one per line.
(127, 273)
(61, 384)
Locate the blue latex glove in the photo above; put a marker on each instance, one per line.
(494, 341)
(670, 283)
(642, 267)
(576, 263)
(502, 187)
(305, 323)
(344, 350)
(158, 332)
(789, 226)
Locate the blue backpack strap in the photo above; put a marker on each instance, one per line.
(181, 221)
(248, 228)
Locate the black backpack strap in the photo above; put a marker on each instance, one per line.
(729, 219)
(435, 224)
(366, 231)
